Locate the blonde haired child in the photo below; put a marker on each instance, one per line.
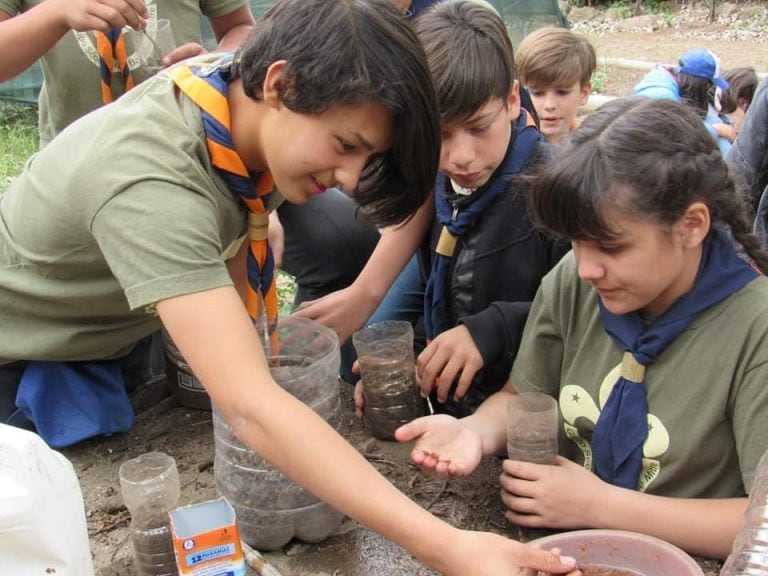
(556, 66)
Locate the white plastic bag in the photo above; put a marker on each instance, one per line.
(42, 515)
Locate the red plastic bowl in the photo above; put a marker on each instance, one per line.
(621, 550)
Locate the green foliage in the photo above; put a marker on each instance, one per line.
(286, 292)
(656, 6)
(599, 79)
(664, 10)
(666, 18)
(18, 139)
(621, 9)
(11, 114)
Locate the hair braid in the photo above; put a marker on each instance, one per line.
(732, 208)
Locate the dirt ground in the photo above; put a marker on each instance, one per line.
(739, 37)
(187, 435)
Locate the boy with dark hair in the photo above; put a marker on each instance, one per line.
(484, 259)
(735, 101)
(748, 158)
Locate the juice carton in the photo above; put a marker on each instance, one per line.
(206, 541)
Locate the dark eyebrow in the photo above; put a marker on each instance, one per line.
(363, 142)
(481, 118)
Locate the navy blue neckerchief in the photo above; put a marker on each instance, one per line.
(522, 146)
(621, 430)
(419, 5)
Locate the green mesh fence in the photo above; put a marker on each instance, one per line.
(23, 88)
(521, 17)
(524, 16)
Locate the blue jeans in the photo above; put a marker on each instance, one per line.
(145, 364)
(327, 243)
(404, 301)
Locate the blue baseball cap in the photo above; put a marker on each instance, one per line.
(703, 63)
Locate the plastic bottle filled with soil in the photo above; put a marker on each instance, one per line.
(391, 398)
(270, 508)
(749, 555)
(150, 487)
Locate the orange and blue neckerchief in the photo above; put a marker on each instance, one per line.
(111, 48)
(206, 83)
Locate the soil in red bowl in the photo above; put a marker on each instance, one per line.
(595, 570)
(592, 570)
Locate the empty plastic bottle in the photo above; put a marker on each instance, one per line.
(749, 555)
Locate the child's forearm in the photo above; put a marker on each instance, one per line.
(705, 527)
(28, 36)
(490, 422)
(311, 453)
(395, 248)
(217, 339)
(231, 29)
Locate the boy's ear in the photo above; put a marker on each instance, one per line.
(273, 82)
(403, 5)
(742, 103)
(586, 90)
(513, 101)
(695, 224)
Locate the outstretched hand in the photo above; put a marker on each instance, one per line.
(443, 445)
(452, 353)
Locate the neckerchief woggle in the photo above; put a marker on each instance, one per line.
(111, 48)
(621, 430)
(523, 143)
(206, 82)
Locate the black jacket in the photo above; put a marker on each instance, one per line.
(748, 156)
(494, 274)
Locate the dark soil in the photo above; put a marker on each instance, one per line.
(391, 397)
